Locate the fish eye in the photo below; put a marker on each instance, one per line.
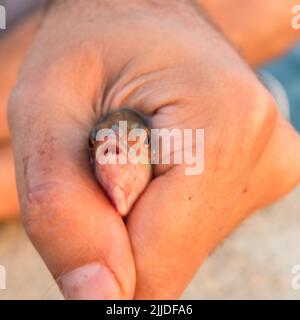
(114, 127)
(93, 134)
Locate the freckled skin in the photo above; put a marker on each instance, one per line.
(123, 183)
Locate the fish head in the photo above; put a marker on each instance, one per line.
(121, 157)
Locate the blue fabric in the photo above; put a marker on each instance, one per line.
(287, 71)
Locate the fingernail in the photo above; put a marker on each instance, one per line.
(90, 282)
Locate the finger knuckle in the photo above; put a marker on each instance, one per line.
(47, 208)
(262, 117)
(256, 106)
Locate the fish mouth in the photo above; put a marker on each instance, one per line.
(119, 149)
(111, 149)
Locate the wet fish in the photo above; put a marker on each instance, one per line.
(120, 154)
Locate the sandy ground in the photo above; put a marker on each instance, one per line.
(254, 263)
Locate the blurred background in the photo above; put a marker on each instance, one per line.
(253, 263)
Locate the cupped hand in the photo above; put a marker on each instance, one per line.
(167, 62)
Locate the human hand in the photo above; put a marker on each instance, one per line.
(260, 30)
(12, 50)
(167, 62)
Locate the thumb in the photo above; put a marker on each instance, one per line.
(77, 232)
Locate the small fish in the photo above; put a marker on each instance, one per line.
(122, 167)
